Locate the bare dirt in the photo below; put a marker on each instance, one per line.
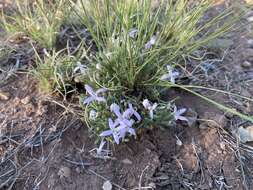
(44, 147)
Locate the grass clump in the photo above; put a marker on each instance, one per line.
(56, 71)
(39, 19)
(139, 50)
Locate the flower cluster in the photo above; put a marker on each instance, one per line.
(171, 75)
(123, 123)
(94, 96)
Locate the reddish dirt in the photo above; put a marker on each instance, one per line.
(43, 147)
(52, 149)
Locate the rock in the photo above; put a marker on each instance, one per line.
(247, 107)
(223, 146)
(246, 64)
(4, 96)
(107, 185)
(127, 161)
(245, 134)
(179, 142)
(250, 19)
(64, 172)
(78, 170)
(250, 43)
(25, 100)
(152, 185)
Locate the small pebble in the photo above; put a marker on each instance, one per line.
(107, 185)
(250, 19)
(152, 185)
(246, 64)
(223, 146)
(178, 142)
(4, 96)
(78, 170)
(250, 43)
(64, 172)
(127, 161)
(25, 100)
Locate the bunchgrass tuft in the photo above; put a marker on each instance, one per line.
(136, 41)
(39, 19)
(55, 71)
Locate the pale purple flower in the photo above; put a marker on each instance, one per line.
(124, 119)
(100, 148)
(131, 111)
(94, 96)
(127, 114)
(171, 75)
(112, 131)
(178, 114)
(133, 33)
(81, 68)
(151, 42)
(150, 107)
(123, 130)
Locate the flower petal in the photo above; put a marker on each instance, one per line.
(132, 131)
(100, 148)
(133, 33)
(101, 90)
(106, 133)
(165, 77)
(151, 114)
(182, 118)
(181, 111)
(128, 113)
(89, 90)
(88, 100)
(154, 106)
(116, 138)
(111, 124)
(116, 109)
(136, 114)
(146, 103)
(100, 99)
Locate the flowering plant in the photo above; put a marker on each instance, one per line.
(138, 53)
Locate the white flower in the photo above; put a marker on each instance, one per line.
(98, 66)
(93, 115)
(151, 42)
(133, 33)
(148, 106)
(81, 68)
(94, 96)
(178, 114)
(171, 75)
